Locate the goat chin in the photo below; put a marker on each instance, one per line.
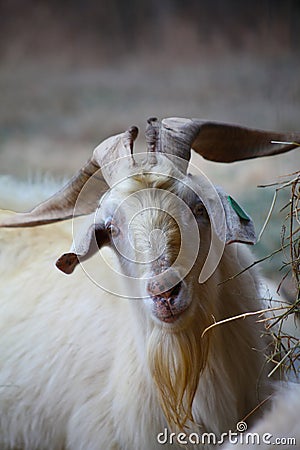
(176, 359)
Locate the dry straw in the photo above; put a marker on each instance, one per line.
(286, 354)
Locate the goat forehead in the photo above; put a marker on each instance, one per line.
(149, 188)
(150, 199)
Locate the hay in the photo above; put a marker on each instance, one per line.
(286, 354)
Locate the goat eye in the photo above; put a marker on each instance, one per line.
(199, 210)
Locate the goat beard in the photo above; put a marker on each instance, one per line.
(176, 360)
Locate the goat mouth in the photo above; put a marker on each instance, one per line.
(168, 306)
(170, 319)
(167, 314)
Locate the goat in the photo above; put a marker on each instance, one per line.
(84, 368)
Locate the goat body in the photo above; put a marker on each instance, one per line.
(116, 354)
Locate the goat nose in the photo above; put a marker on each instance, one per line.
(157, 290)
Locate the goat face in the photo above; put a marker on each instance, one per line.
(156, 222)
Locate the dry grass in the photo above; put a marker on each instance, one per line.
(286, 354)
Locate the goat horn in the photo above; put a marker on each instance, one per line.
(222, 142)
(129, 138)
(161, 139)
(61, 206)
(152, 139)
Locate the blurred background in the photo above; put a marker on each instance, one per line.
(74, 72)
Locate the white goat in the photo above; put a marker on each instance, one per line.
(82, 368)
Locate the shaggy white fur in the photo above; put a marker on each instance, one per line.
(76, 363)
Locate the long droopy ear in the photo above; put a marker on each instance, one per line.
(90, 239)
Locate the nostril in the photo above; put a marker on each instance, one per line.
(175, 290)
(158, 292)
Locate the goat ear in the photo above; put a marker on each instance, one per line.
(91, 239)
(239, 226)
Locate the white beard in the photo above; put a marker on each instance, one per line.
(176, 360)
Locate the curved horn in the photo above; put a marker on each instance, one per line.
(108, 153)
(222, 142)
(61, 205)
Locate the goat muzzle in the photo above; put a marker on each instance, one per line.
(167, 305)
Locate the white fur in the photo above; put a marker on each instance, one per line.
(73, 358)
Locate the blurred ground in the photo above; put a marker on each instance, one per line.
(73, 74)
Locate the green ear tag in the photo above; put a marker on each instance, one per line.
(240, 212)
